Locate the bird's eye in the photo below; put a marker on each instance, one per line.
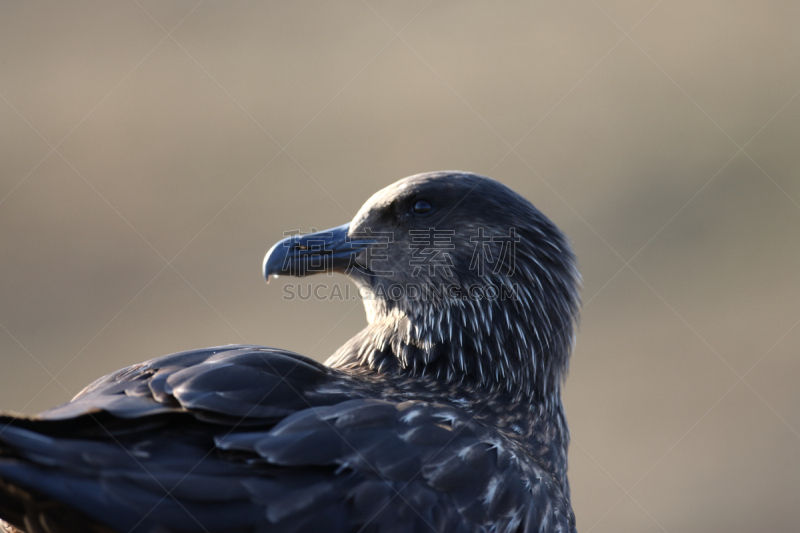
(422, 206)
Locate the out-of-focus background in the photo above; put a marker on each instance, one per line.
(152, 151)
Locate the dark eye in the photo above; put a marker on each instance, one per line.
(422, 206)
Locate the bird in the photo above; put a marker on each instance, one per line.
(443, 414)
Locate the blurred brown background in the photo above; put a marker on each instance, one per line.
(151, 152)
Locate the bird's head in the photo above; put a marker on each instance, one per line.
(461, 277)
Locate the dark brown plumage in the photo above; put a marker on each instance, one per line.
(444, 414)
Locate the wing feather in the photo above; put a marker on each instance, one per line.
(243, 438)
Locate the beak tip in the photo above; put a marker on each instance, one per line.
(269, 264)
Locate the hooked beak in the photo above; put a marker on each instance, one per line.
(330, 250)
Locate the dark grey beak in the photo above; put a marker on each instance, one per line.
(330, 250)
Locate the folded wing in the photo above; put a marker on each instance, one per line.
(245, 438)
